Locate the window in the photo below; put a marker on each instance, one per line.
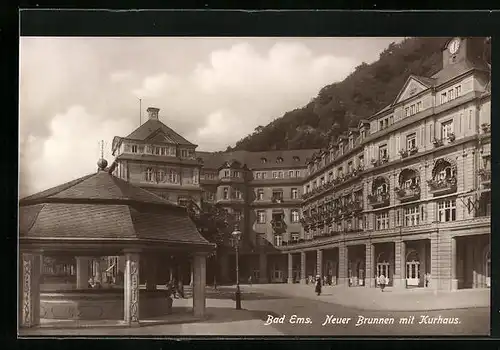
(134, 148)
(172, 176)
(160, 176)
(382, 221)
(412, 109)
(446, 129)
(225, 193)
(322, 181)
(236, 174)
(308, 188)
(278, 240)
(295, 216)
(264, 175)
(340, 172)
(411, 141)
(458, 91)
(419, 107)
(407, 111)
(226, 173)
(443, 97)
(263, 160)
(257, 175)
(411, 216)
(149, 174)
(295, 236)
(290, 173)
(183, 202)
(295, 193)
(260, 194)
(381, 125)
(279, 160)
(349, 167)
(447, 210)
(361, 160)
(275, 175)
(184, 153)
(451, 95)
(261, 217)
(238, 194)
(277, 196)
(330, 176)
(382, 152)
(163, 151)
(237, 215)
(280, 175)
(297, 173)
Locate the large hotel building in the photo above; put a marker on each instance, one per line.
(405, 194)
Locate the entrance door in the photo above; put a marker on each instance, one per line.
(412, 273)
(383, 268)
(277, 276)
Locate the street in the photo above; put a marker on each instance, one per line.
(473, 321)
(288, 315)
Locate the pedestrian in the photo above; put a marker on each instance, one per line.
(382, 282)
(250, 280)
(180, 289)
(318, 285)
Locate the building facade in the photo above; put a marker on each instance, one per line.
(406, 194)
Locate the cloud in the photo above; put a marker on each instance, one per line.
(77, 91)
(72, 150)
(121, 76)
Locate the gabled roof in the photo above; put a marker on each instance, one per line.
(425, 82)
(152, 128)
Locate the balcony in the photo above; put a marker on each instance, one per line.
(409, 152)
(277, 200)
(277, 224)
(442, 186)
(380, 161)
(408, 194)
(486, 128)
(437, 142)
(485, 177)
(378, 200)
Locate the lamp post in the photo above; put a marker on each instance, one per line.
(237, 235)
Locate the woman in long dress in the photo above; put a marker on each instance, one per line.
(318, 285)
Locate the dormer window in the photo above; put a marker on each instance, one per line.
(134, 148)
(263, 160)
(279, 160)
(296, 159)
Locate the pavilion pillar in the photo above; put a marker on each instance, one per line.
(290, 268)
(97, 270)
(82, 272)
(30, 281)
(131, 289)
(302, 267)
(199, 282)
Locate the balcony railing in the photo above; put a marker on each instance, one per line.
(437, 142)
(277, 224)
(380, 161)
(277, 200)
(485, 176)
(408, 194)
(378, 200)
(335, 182)
(409, 152)
(442, 186)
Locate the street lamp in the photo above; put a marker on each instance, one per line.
(237, 235)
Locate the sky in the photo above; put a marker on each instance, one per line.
(75, 92)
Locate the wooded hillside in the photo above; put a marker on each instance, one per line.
(340, 105)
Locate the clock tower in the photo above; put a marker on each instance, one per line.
(460, 49)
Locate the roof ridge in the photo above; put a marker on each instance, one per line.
(62, 187)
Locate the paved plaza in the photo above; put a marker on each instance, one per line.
(462, 313)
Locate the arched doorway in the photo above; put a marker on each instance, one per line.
(487, 267)
(412, 268)
(383, 267)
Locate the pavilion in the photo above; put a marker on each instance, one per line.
(101, 215)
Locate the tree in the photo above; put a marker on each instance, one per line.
(213, 222)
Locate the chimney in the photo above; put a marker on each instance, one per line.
(153, 113)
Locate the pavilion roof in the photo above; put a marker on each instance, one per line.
(102, 207)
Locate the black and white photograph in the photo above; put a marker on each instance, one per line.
(177, 186)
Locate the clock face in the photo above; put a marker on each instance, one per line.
(453, 47)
